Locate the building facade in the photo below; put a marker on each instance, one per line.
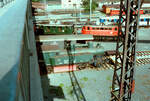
(71, 4)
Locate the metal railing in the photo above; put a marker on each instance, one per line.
(23, 86)
(27, 59)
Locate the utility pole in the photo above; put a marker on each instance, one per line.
(75, 7)
(90, 9)
(80, 9)
(123, 79)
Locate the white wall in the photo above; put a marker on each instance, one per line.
(68, 4)
(146, 5)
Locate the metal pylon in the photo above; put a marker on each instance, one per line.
(123, 78)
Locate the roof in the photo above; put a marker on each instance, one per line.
(101, 26)
(10, 43)
(146, 1)
(112, 6)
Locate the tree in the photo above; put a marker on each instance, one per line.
(86, 5)
(36, 0)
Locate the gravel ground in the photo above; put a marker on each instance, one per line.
(95, 85)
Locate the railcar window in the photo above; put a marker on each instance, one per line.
(47, 29)
(60, 29)
(110, 28)
(97, 28)
(93, 28)
(115, 29)
(105, 28)
(88, 28)
(101, 28)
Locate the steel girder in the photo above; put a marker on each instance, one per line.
(123, 78)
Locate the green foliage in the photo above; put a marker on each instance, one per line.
(86, 5)
(36, 0)
(61, 85)
(69, 90)
(84, 79)
(42, 0)
(108, 78)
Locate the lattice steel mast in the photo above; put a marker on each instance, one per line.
(123, 78)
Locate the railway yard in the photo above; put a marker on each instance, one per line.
(60, 52)
(99, 79)
(80, 68)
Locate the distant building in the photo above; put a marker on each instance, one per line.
(71, 4)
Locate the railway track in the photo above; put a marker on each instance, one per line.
(143, 61)
(139, 62)
(143, 58)
(105, 38)
(107, 66)
(142, 53)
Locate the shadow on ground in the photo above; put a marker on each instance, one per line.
(49, 91)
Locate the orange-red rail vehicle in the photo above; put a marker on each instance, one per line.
(110, 31)
(114, 9)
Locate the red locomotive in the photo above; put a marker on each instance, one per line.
(115, 10)
(100, 30)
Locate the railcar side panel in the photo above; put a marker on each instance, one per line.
(100, 31)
